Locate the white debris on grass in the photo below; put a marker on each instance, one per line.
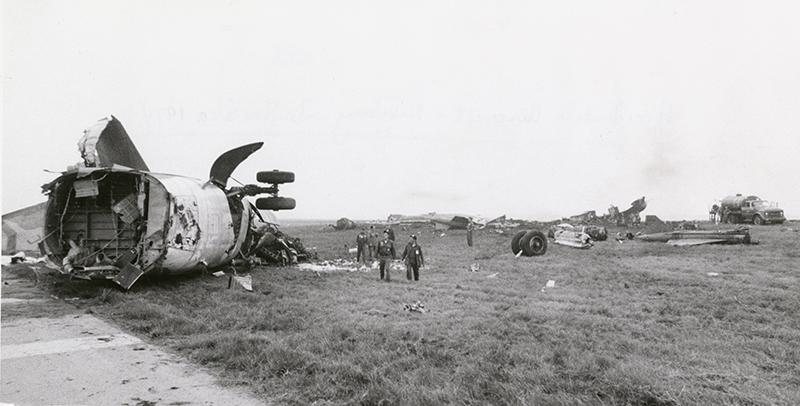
(337, 265)
(246, 281)
(550, 284)
(18, 258)
(414, 307)
(494, 275)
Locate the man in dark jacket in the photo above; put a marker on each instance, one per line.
(386, 253)
(413, 257)
(361, 244)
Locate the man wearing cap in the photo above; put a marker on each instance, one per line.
(391, 233)
(413, 257)
(386, 252)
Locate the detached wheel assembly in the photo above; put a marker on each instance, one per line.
(531, 243)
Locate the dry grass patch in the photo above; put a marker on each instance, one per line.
(625, 324)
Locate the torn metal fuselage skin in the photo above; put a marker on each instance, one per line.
(119, 223)
(575, 239)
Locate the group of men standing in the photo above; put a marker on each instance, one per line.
(384, 251)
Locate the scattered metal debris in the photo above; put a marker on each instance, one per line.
(415, 307)
(596, 233)
(624, 236)
(337, 265)
(446, 221)
(245, 281)
(739, 235)
(576, 239)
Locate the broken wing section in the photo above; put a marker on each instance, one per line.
(107, 143)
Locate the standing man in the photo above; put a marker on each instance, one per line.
(361, 244)
(391, 233)
(470, 227)
(413, 257)
(372, 241)
(386, 252)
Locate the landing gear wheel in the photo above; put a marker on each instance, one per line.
(275, 177)
(758, 220)
(515, 248)
(275, 203)
(533, 243)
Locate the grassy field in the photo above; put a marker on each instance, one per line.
(630, 323)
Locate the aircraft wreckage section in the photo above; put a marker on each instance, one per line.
(121, 223)
(154, 219)
(110, 221)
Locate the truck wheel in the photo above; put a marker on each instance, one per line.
(732, 219)
(758, 220)
(533, 243)
(275, 177)
(515, 242)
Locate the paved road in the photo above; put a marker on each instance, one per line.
(82, 360)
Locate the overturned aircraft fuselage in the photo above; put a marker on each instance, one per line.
(164, 222)
(106, 220)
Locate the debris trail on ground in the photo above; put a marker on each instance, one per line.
(337, 265)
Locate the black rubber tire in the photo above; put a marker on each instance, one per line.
(758, 220)
(275, 177)
(515, 248)
(275, 203)
(732, 219)
(533, 243)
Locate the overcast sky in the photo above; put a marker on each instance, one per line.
(535, 110)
